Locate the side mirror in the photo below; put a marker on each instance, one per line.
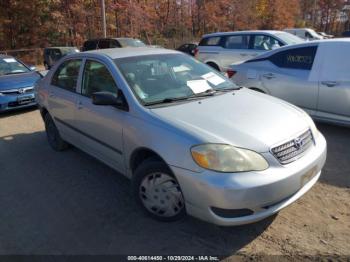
(105, 98)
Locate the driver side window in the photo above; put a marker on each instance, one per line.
(97, 78)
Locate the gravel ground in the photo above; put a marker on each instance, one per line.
(69, 203)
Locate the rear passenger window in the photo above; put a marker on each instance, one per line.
(237, 42)
(97, 78)
(66, 75)
(210, 41)
(298, 58)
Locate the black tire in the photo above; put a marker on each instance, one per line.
(53, 136)
(213, 65)
(149, 168)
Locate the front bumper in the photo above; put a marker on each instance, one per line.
(263, 193)
(15, 101)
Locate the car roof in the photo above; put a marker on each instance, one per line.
(115, 53)
(61, 47)
(304, 44)
(110, 38)
(272, 32)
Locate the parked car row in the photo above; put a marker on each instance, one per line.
(192, 141)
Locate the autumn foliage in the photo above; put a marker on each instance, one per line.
(40, 23)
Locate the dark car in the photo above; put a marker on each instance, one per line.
(53, 54)
(16, 84)
(188, 48)
(103, 43)
(346, 34)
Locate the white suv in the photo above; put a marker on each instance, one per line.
(219, 50)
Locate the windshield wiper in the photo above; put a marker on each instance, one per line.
(228, 89)
(166, 101)
(209, 92)
(14, 73)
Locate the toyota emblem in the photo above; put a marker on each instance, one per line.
(298, 143)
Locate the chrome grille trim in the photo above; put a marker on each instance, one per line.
(294, 148)
(17, 90)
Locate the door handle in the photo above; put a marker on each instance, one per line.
(51, 94)
(269, 76)
(242, 54)
(329, 83)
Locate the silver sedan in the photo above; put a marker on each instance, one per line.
(314, 76)
(188, 138)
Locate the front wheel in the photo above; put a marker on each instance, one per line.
(53, 136)
(158, 192)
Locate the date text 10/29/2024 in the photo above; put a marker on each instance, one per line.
(173, 258)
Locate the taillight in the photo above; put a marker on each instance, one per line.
(195, 52)
(230, 73)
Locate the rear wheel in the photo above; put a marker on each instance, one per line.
(53, 136)
(157, 191)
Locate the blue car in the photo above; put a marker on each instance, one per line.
(16, 84)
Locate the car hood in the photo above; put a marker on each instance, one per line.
(242, 118)
(18, 80)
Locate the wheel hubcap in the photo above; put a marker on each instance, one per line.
(161, 195)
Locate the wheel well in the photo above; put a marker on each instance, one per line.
(140, 155)
(213, 65)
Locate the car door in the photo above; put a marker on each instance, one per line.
(63, 97)
(334, 81)
(101, 127)
(235, 48)
(287, 77)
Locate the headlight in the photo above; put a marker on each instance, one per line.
(226, 158)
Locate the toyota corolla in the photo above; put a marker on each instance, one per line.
(189, 139)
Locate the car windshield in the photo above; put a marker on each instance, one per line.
(10, 65)
(69, 50)
(289, 38)
(130, 42)
(166, 77)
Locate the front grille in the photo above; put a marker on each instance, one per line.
(17, 91)
(293, 149)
